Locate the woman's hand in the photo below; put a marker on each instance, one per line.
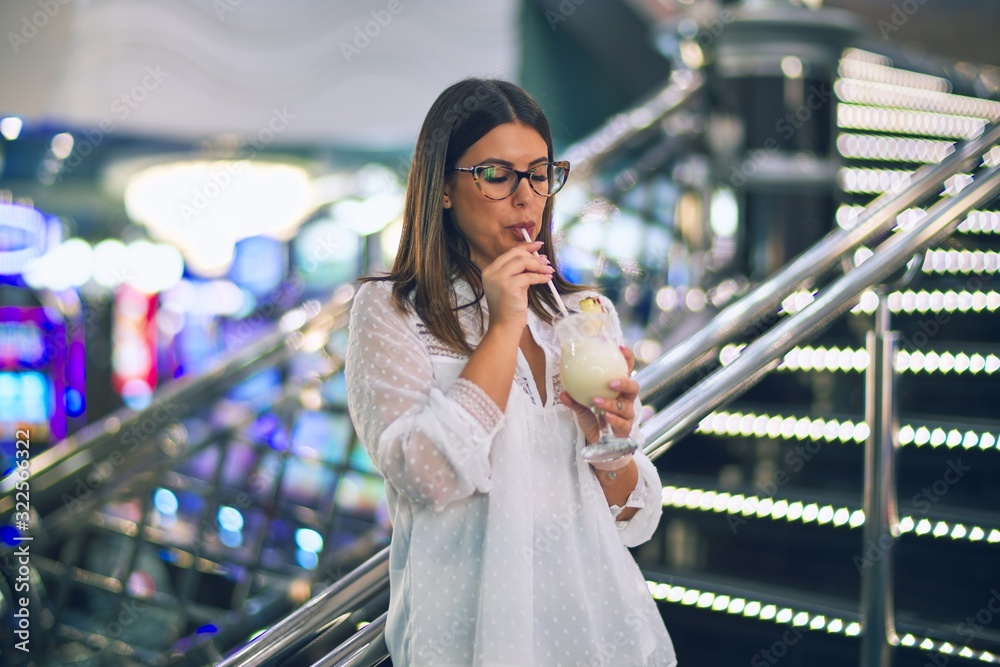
(506, 281)
(619, 412)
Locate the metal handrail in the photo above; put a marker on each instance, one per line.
(365, 648)
(765, 352)
(877, 219)
(124, 435)
(586, 154)
(321, 613)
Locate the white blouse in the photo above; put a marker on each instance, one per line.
(504, 551)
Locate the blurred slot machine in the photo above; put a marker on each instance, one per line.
(134, 354)
(42, 355)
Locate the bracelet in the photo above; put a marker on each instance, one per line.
(610, 466)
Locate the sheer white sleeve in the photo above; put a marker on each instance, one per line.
(433, 446)
(647, 498)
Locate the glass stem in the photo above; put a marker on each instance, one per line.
(603, 427)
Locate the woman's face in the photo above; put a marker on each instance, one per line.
(493, 227)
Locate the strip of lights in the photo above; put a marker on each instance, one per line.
(795, 511)
(907, 302)
(866, 56)
(782, 615)
(900, 121)
(977, 222)
(862, 180)
(851, 68)
(892, 149)
(757, 609)
(855, 91)
(779, 427)
(961, 261)
(934, 301)
(847, 360)
(876, 181)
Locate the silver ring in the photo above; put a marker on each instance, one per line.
(618, 404)
(612, 474)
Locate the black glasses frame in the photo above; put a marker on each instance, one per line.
(478, 170)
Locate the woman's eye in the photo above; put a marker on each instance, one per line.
(495, 175)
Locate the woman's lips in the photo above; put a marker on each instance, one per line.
(516, 230)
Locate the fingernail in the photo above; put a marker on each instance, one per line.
(598, 401)
(615, 384)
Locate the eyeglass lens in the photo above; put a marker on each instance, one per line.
(499, 182)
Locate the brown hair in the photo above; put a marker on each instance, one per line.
(432, 250)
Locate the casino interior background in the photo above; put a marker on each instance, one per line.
(766, 188)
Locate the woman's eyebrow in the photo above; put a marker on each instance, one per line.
(505, 163)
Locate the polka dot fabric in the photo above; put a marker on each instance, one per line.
(504, 550)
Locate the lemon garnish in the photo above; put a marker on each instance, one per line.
(591, 305)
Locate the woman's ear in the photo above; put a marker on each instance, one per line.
(447, 199)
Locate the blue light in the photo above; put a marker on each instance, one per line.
(9, 535)
(208, 628)
(309, 540)
(231, 538)
(306, 559)
(165, 501)
(75, 403)
(230, 519)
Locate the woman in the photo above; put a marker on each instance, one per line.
(507, 548)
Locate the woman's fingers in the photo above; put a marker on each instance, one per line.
(629, 357)
(620, 411)
(586, 418)
(517, 261)
(621, 426)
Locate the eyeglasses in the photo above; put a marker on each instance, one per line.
(496, 182)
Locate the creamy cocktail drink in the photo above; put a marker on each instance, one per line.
(588, 365)
(590, 361)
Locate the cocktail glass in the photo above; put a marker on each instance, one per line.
(590, 360)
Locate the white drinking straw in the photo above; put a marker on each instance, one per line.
(562, 306)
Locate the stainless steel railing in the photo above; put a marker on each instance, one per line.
(329, 608)
(124, 439)
(588, 153)
(760, 356)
